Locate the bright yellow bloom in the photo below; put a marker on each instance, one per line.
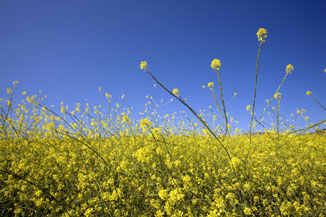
(248, 107)
(143, 65)
(125, 119)
(261, 34)
(247, 211)
(163, 194)
(277, 95)
(203, 86)
(289, 69)
(145, 123)
(308, 93)
(216, 64)
(210, 84)
(176, 92)
(24, 93)
(235, 94)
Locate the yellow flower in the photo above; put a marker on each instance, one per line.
(247, 211)
(308, 93)
(261, 34)
(289, 69)
(235, 94)
(277, 95)
(186, 178)
(125, 119)
(203, 86)
(163, 194)
(216, 64)
(210, 84)
(145, 123)
(176, 92)
(24, 93)
(143, 65)
(248, 107)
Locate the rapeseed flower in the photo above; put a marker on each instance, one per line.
(289, 69)
(277, 95)
(248, 107)
(176, 92)
(308, 93)
(216, 64)
(143, 65)
(261, 35)
(210, 84)
(163, 194)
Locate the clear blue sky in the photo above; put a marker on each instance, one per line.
(69, 48)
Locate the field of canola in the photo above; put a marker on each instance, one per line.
(88, 163)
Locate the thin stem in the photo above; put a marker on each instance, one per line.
(254, 102)
(198, 117)
(223, 104)
(318, 103)
(269, 101)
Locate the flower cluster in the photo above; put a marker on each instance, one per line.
(261, 35)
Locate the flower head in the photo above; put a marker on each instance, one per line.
(176, 92)
(289, 69)
(143, 65)
(261, 35)
(216, 64)
(277, 95)
(210, 84)
(248, 107)
(308, 93)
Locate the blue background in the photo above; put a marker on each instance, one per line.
(67, 48)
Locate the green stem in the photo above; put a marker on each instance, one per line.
(223, 104)
(198, 117)
(254, 102)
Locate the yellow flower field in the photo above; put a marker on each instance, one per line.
(84, 162)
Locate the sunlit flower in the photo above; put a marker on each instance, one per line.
(203, 86)
(176, 92)
(210, 84)
(143, 65)
(235, 94)
(248, 107)
(262, 34)
(289, 69)
(277, 95)
(308, 93)
(216, 64)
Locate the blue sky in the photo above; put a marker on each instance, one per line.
(69, 48)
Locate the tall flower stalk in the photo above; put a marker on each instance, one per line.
(176, 94)
(289, 68)
(261, 34)
(216, 64)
